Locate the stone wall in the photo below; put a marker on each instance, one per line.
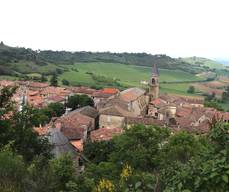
(109, 121)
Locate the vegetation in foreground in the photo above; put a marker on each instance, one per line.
(141, 159)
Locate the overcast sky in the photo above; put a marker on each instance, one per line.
(172, 27)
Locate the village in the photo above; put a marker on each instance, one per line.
(113, 112)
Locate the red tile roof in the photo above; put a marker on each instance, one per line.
(38, 85)
(56, 98)
(131, 94)
(145, 121)
(74, 124)
(110, 90)
(78, 144)
(104, 134)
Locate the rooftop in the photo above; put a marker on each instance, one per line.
(104, 134)
(131, 94)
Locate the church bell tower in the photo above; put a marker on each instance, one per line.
(154, 83)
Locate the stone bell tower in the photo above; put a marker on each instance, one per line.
(154, 83)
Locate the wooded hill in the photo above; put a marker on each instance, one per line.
(14, 59)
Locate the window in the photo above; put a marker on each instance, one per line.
(153, 81)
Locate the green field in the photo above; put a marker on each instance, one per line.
(6, 77)
(127, 75)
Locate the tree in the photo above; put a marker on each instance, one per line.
(65, 82)
(13, 173)
(139, 146)
(54, 80)
(191, 89)
(181, 147)
(225, 95)
(17, 129)
(65, 173)
(100, 151)
(57, 109)
(214, 104)
(77, 101)
(43, 78)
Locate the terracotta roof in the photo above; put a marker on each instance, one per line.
(131, 94)
(88, 111)
(158, 102)
(78, 144)
(104, 134)
(145, 121)
(181, 100)
(116, 111)
(73, 133)
(56, 91)
(38, 85)
(74, 124)
(56, 98)
(84, 90)
(5, 83)
(110, 90)
(33, 93)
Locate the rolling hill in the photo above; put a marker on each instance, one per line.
(106, 69)
(203, 62)
(15, 60)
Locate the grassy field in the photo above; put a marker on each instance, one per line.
(125, 75)
(6, 77)
(128, 75)
(176, 88)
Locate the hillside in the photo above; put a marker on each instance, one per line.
(15, 60)
(107, 69)
(203, 62)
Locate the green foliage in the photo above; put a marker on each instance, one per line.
(13, 173)
(225, 95)
(97, 152)
(181, 147)
(57, 109)
(139, 146)
(43, 78)
(54, 80)
(141, 159)
(214, 104)
(77, 101)
(21, 60)
(17, 129)
(64, 171)
(208, 171)
(43, 116)
(65, 82)
(191, 89)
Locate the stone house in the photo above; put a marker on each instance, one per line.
(129, 103)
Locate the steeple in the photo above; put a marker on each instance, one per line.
(154, 83)
(155, 70)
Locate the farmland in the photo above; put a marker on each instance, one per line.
(126, 75)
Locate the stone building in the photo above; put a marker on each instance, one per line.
(154, 83)
(131, 102)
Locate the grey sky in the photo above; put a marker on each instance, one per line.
(173, 27)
